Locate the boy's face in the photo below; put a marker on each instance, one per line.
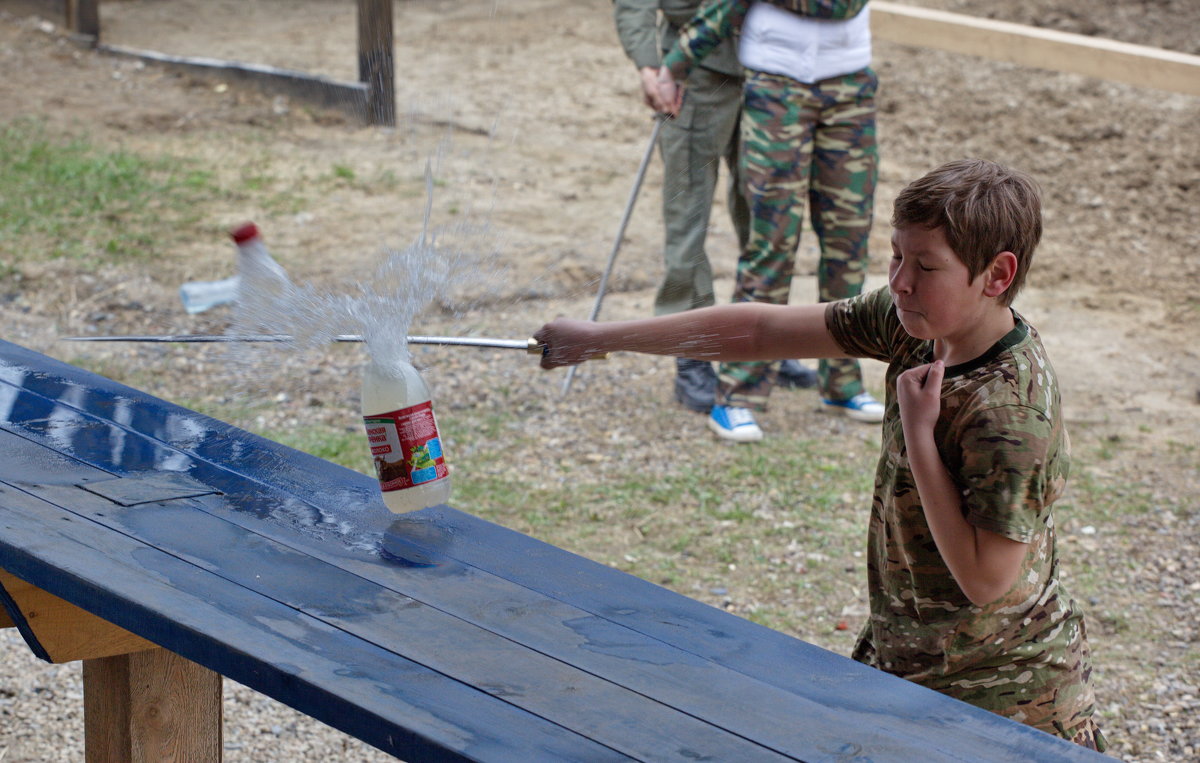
(932, 290)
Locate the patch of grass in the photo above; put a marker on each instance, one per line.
(67, 198)
(381, 181)
(136, 375)
(334, 444)
(784, 518)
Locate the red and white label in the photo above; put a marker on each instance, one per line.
(406, 447)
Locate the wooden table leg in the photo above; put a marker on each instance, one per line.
(151, 706)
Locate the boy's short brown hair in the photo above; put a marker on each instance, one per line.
(983, 207)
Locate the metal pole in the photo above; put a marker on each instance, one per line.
(530, 345)
(612, 257)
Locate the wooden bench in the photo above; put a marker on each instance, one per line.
(166, 550)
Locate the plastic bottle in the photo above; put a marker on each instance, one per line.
(255, 264)
(265, 293)
(198, 296)
(403, 436)
(266, 282)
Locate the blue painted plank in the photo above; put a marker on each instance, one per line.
(648, 666)
(631, 708)
(362, 689)
(593, 705)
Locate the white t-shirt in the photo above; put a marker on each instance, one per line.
(807, 50)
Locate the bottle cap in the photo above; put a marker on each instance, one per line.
(244, 233)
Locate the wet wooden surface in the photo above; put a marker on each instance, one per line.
(432, 636)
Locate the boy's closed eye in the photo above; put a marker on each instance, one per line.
(920, 265)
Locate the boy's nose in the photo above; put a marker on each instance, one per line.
(899, 280)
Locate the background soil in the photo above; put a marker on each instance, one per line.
(529, 116)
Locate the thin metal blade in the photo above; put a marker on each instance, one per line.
(528, 345)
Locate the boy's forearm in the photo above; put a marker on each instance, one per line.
(735, 332)
(983, 564)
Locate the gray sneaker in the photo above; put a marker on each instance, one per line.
(695, 384)
(792, 374)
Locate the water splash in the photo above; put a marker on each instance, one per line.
(383, 308)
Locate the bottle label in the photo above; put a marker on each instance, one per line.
(406, 447)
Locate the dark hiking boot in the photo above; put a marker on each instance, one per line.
(695, 384)
(792, 374)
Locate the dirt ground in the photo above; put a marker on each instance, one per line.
(529, 115)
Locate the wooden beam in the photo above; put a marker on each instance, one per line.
(5, 620)
(1036, 47)
(376, 60)
(65, 632)
(83, 17)
(150, 706)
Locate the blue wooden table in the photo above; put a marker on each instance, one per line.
(432, 636)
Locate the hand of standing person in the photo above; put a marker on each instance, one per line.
(670, 93)
(650, 92)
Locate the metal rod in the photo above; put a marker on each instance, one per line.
(659, 119)
(530, 345)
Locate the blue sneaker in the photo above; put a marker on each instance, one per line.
(861, 407)
(736, 424)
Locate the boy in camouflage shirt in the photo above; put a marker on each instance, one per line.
(963, 566)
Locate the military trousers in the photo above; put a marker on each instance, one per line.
(693, 145)
(815, 144)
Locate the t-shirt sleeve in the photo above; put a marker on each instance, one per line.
(865, 326)
(716, 21)
(1004, 470)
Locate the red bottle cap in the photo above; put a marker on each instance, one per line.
(244, 233)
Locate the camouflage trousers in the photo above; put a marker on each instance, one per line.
(804, 142)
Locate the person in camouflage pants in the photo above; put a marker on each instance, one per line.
(814, 142)
(806, 138)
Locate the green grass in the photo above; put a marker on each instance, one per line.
(334, 444)
(67, 198)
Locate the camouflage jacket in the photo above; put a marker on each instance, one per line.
(719, 20)
(1000, 435)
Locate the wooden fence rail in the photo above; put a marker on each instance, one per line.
(1036, 47)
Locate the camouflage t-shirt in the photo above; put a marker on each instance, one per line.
(1000, 435)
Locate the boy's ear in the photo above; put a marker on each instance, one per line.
(999, 274)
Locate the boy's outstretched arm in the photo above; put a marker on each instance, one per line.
(744, 331)
(984, 564)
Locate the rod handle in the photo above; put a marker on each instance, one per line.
(534, 347)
